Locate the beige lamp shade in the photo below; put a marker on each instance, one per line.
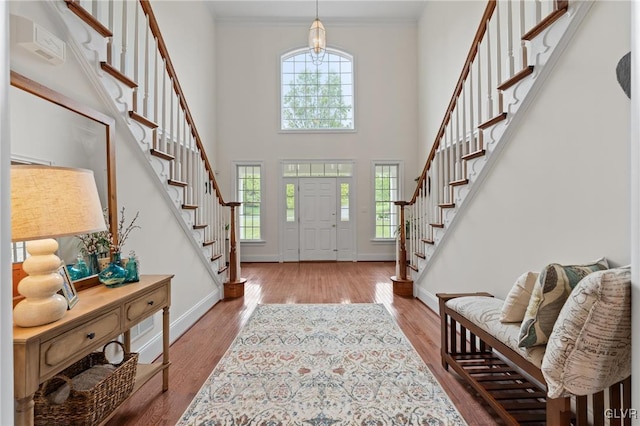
(51, 202)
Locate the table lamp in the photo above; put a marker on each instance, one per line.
(46, 203)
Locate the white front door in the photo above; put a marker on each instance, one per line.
(318, 219)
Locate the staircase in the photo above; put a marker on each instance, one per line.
(120, 46)
(515, 47)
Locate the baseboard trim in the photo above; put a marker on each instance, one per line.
(267, 258)
(428, 299)
(376, 257)
(151, 349)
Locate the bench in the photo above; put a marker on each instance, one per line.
(485, 353)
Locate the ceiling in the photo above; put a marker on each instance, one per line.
(328, 10)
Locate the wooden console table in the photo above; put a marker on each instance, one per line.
(101, 315)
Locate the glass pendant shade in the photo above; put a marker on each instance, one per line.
(317, 41)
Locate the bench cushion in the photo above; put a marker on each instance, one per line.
(590, 346)
(485, 313)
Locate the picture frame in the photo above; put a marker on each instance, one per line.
(68, 290)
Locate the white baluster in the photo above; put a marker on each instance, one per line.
(163, 145)
(523, 47)
(498, 56)
(472, 124)
(479, 79)
(110, 43)
(136, 59)
(489, 63)
(510, 56)
(123, 49)
(145, 100)
(156, 84)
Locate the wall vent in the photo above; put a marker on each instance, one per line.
(37, 39)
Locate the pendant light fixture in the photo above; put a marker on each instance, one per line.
(317, 40)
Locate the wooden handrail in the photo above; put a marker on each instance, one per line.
(473, 51)
(164, 52)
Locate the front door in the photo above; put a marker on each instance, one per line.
(318, 219)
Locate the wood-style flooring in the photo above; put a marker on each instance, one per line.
(196, 353)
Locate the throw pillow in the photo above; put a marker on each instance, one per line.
(590, 347)
(516, 302)
(553, 286)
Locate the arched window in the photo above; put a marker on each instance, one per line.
(316, 97)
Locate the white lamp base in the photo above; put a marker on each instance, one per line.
(42, 305)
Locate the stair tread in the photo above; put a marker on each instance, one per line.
(447, 205)
(516, 77)
(546, 22)
(189, 206)
(459, 182)
(221, 270)
(475, 154)
(421, 255)
(498, 118)
(161, 154)
(208, 243)
(428, 241)
(201, 226)
(175, 182)
(115, 73)
(216, 257)
(142, 119)
(437, 225)
(88, 18)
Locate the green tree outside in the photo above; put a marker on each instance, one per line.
(312, 104)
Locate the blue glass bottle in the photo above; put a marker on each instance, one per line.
(79, 269)
(132, 269)
(114, 274)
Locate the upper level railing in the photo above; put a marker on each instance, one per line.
(138, 56)
(497, 59)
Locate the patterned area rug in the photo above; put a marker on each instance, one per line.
(321, 365)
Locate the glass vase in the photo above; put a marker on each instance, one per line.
(114, 274)
(93, 266)
(132, 269)
(79, 269)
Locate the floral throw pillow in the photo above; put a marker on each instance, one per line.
(552, 288)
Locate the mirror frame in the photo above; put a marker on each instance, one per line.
(21, 82)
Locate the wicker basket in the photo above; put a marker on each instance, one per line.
(87, 407)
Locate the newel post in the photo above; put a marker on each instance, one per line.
(401, 285)
(235, 286)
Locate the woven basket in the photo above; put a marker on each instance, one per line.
(87, 407)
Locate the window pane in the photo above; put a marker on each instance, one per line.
(250, 194)
(317, 169)
(344, 202)
(317, 97)
(385, 192)
(290, 190)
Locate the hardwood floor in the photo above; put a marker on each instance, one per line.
(196, 353)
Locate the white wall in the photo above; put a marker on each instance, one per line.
(560, 190)
(6, 322)
(161, 244)
(445, 32)
(635, 200)
(248, 113)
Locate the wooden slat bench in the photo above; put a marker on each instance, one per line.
(513, 385)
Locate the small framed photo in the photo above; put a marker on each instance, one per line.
(68, 290)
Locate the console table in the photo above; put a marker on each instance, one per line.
(101, 315)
